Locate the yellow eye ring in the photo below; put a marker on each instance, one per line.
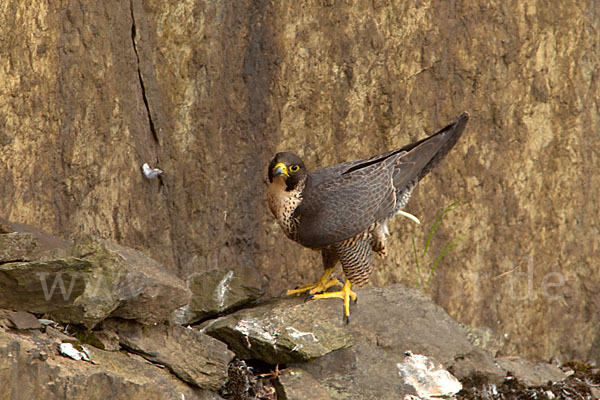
(294, 168)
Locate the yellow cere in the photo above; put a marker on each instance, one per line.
(283, 168)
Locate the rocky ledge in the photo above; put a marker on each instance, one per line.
(95, 319)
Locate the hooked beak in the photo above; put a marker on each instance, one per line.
(280, 169)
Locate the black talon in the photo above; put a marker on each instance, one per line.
(309, 297)
(346, 319)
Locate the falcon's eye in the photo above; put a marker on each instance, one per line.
(294, 168)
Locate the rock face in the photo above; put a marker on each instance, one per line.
(131, 284)
(297, 384)
(194, 357)
(31, 368)
(43, 241)
(16, 246)
(386, 323)
(403, 345)
(532, 374)
(216, 291)
(93, 279)
(209, 91)
(52, 286)
(282, 331)
(376, 356)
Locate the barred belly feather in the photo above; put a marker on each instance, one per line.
(355, 256)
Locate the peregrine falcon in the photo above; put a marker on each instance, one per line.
(343, 210)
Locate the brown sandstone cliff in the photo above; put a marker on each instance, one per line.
(208, 91)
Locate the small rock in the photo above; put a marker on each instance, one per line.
(5, 227)
(428, 380)
(530, 373)
(283, 331)
(40, 355)
(23, 320)
(297, 384)
(75, 351)
(216, 291)
(193, 356)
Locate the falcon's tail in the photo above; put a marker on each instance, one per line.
(422, 156)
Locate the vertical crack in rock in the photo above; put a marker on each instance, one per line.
(140, 75)
(143, 43)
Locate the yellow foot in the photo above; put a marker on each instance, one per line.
(321, 286)
(345, 293)
(381, 252)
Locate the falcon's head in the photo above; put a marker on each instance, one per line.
(287, 168)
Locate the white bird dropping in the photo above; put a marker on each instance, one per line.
(149, 172)
(80, 353)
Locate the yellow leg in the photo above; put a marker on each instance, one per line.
(322, 284)
(345, 293)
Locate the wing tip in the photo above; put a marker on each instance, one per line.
(462, 119)
(459, 123)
